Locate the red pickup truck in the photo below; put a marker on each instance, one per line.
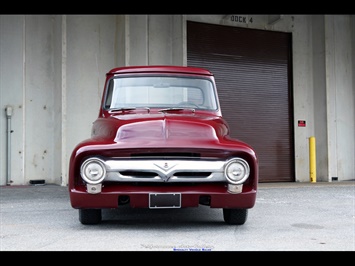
(160, 141)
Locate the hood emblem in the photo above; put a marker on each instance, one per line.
(165, 166)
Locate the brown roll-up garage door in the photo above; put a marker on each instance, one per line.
(253, 75)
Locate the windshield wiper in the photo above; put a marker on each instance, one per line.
(123, 109)
(172, 109)
(127, 109)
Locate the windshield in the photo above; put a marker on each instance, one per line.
(160, 92)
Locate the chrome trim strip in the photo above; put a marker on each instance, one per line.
(165, 170)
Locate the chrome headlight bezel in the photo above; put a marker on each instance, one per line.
(93, 171)
(236, 171)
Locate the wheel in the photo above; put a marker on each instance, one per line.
(90, 216)
(235, 216)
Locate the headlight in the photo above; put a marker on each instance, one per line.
(237, 170)
(93, 171)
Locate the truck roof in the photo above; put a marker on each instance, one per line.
(160, 69)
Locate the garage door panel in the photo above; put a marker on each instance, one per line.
(252, 69)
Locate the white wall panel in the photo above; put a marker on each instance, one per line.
(90, 55)
(319, 99)
(303, 94)
(12, 42)
(39, 98)
(344, 98)
(340, 97)
(160, 40)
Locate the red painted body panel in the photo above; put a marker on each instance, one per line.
(122, 134)
(139, 196)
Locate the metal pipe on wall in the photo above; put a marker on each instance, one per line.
(8, 111)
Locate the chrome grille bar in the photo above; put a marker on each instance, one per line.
(146, 170)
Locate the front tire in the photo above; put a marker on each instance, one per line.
(235, 216)
(90, 216)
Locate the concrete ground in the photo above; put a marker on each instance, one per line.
(286, 217)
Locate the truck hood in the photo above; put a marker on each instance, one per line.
(170, 127)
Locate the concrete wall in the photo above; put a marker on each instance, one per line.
(52, 70)
(303, 92)
(12, 83)
(90, 52)
(340, 96)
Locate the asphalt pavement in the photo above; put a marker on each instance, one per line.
(286, 217)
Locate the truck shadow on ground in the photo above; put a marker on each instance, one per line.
(126, 215)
